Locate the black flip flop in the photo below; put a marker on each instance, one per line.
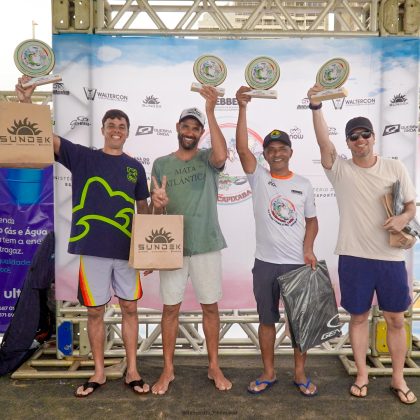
(86, 385)
(138, 382)
(360, 388)
(396, 392)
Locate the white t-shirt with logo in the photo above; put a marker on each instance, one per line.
(359, 193)
(280, 209)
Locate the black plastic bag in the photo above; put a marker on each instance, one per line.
(310, 306)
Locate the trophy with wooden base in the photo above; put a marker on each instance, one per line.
(35, 59)
(209, 70)
(261, 74)
(332, 75)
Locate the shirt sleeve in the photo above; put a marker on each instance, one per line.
(333, 173)
(407, 187)
(142, 190)
(310, 207)
(70, 153)
(252, 178)
(206, 156)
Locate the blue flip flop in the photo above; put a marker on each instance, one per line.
(306, 386)
(258, 382)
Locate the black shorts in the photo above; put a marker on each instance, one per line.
(267, 288)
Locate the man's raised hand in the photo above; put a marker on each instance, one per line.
(159, 197)
(24, 94)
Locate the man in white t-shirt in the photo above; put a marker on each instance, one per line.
(286, 227)
(367, 262)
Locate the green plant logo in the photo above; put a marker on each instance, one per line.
(132, 174)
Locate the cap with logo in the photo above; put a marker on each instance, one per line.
(193, 113)
(277, 135)
(358, 122)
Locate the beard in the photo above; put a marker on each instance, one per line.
(187, 145)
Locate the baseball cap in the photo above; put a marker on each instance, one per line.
(193, 113)
(358, 122)
(277, 135)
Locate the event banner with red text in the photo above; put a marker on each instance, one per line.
(150, 79)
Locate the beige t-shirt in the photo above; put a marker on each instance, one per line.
(359, 193)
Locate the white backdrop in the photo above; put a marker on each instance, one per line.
(150, 78)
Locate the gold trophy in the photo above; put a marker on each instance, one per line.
(35, 58)
(261, 74)
(209, 70)
(332, 75)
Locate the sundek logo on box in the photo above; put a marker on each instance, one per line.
(160, 240)
(24, 132)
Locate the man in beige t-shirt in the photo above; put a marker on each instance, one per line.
(367, 263)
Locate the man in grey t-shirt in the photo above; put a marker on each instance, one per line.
(186, 182)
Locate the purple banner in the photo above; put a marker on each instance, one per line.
(26, 216)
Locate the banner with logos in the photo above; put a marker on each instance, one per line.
(26, 217)
(150, 79)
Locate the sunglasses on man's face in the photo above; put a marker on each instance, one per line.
(356, 136)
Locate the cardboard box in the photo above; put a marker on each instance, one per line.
(26, 138)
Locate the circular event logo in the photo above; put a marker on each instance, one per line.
(282, 211)
(34, 58)
(210, 70)
(333, 73)
(233, 184)
(262, 73)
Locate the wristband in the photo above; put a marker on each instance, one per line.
(315, 107)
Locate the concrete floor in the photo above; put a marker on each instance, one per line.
(193, 396)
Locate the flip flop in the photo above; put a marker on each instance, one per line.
(396, 392)
(138, 382)
(86, 385)
(360, 388)
(306, 386)
(268, 384)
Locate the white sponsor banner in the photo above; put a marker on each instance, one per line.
(150, 79)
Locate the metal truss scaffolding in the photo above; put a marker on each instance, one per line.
(238, 19)
(69, 356)
(42, 98)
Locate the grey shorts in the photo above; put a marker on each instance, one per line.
(267, 288)
(98, 275)
(205, 272)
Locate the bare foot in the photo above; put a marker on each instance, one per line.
(90, 386)
(137, 384)
(162, 385)
(220, 382)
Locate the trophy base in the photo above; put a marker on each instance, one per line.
(42, 80)
(196, 87)
(330, 94)
(262, 94)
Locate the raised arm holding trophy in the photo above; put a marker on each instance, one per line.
(331, 76)
(261, 74)
(209, 70)
(35, 58)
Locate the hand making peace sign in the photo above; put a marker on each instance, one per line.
(159, 197)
